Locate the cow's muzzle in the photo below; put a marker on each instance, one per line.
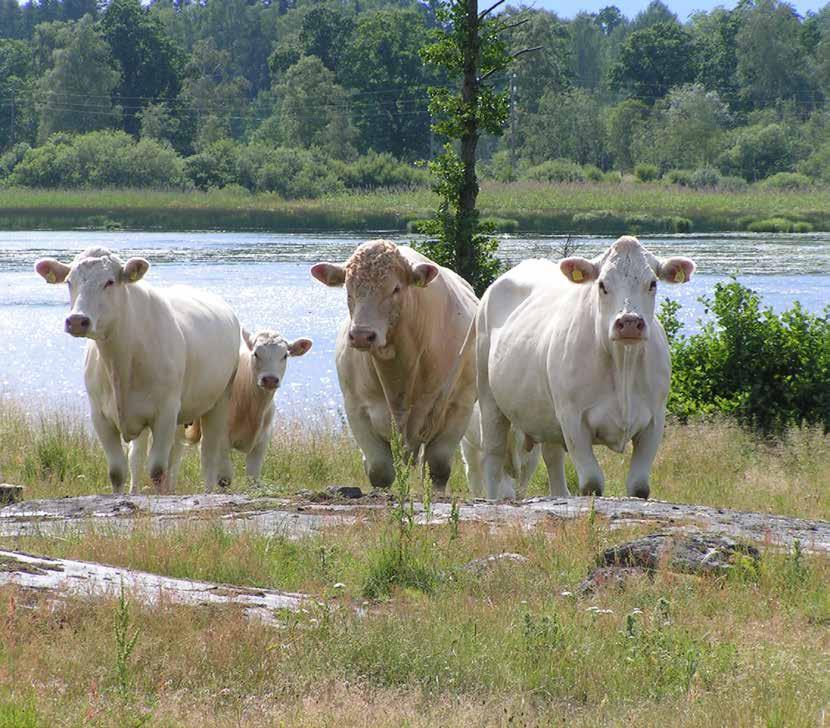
(77, 324)
(269, 382)
(362, 338)
(629, 328)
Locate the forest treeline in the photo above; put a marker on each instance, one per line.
(303, 98)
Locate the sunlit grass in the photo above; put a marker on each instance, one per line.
(536, 206)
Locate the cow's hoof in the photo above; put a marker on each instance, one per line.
(381, 476)
(640, 491)
(224, 483)
(592, 487)
(117, 481)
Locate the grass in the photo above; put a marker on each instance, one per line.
(511, 647)
(711, 463)
(533, 206)
(404, 634)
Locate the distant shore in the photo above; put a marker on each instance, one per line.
(517, 207)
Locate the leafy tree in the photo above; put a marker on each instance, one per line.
(772, 64)
(569, 125)
(625, 123)
(151, 64)
(587, 51)
(213, 91)
(653, 60)
(609, 19)
(75, 94)
(314, 109)
(325, 32)
(471, 49)
(757, 152)
(656, 12)
(15, 70)
(11, 19)
(715, 36)
(383, 66)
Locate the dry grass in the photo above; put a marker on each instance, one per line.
(505, 649)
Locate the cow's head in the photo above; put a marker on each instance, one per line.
(269, 356)
(378, 280)
(97, 280)
(624, 279)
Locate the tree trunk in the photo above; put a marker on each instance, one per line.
(467, 214)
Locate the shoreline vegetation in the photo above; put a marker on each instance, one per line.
(519, 207)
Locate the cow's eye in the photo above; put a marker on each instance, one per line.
(256, 355)
(108, 284)
(285, 356)
(603, 288)
(396, 289)
(653, 286)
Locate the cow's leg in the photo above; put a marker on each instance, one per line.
(176, 453)
(580, 444)
(471, 455)
(110, 439)
(529, 462)
(217, 469)
(138, 459)
(163, 429)
(554, 455)
(255, 458)
(495, 429)
(377, 454)
(646, 443)
(438, 456)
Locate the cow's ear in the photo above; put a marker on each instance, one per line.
(423, 274)
(578, 270)
(248, 339)
(676, 270)
(134, 270)
(329, 273)
(51, 270)
(299, 347)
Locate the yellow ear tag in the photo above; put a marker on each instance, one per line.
(576, 275)
(680, 276)
(51, 277)
(134, 276)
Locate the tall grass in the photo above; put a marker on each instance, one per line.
(707, 462)
(597, 207)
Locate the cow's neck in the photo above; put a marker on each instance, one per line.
(401, 374)
(117, 352)
(628, 368)
(249, 401)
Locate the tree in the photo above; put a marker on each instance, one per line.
(15, 70)
(325, 32)
(150, 63)
(75, 94)
(609, 18)
(383, 66)
(772, 64)
(656, 12)
(625, 123)
(715, 37)
(587, 51)
(213, 91)
(470, 49)
(314, 110)
(653, 60)
(757, 152)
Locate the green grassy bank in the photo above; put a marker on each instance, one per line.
(522, 206)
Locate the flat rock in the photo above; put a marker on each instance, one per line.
(87, 580)
(694, 553)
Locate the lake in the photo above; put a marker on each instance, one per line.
(265, 278)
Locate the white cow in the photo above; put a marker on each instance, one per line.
(263, 358)
(520, 462)
(155, 359)
(397, 356)
(573, 356)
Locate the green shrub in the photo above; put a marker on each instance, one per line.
(817, 165)
(802, 227)
(788, 181)
(677, 224)
(501, 224)
(11, 158)
(680, 177)
(556, 170)
(769, 371)
(612, 177)
(375, 170)
(100, 159)
(214, 167)
(733, 184)
(704, 178)
(591, 173)
(297, 173)
(646, 172)
(771, 225)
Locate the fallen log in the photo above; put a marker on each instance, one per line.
(61, 578)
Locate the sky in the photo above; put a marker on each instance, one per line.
(630, 8)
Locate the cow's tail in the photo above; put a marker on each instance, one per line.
(193, 432)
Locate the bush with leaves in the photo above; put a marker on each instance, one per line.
(646, 172)
(374, 170)
(787, 182)
(769, 371)
(556, 170)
